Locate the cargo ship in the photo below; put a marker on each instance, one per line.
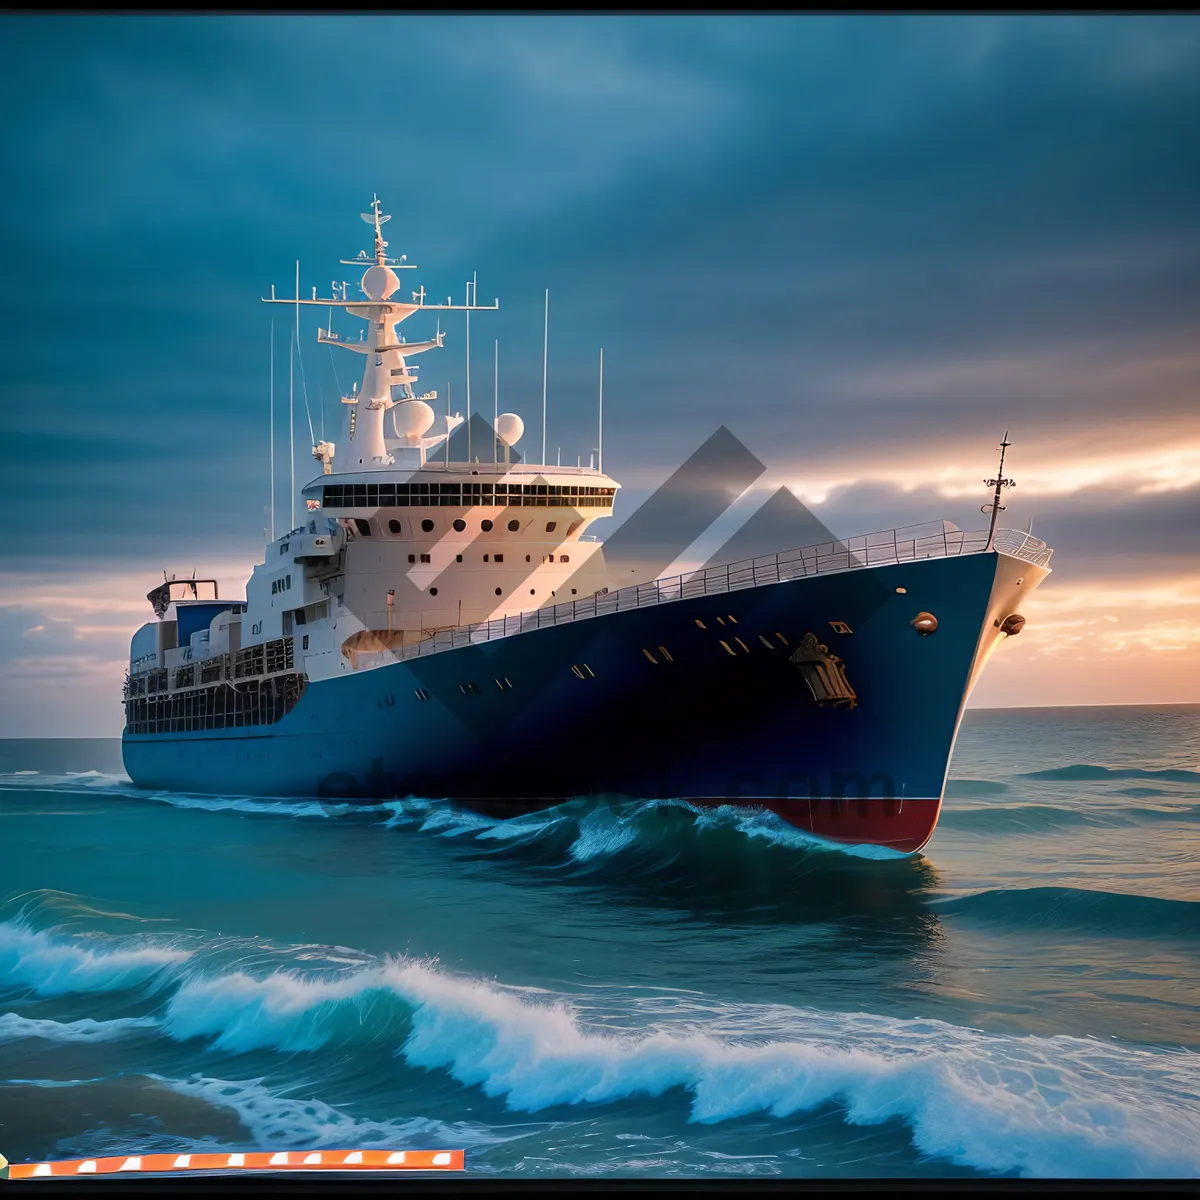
(441, 623)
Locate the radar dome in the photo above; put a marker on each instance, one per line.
(378, 283)
(509, 428)
(411, 419)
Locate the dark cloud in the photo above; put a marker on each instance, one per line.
(832, 234)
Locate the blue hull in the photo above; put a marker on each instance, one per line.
(588, 714)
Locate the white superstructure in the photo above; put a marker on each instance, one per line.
(399, 542)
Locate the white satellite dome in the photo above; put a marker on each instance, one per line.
(509, 428)
(411, 419)
(378, 283)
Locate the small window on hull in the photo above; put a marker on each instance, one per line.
(363, 527)
(394, 526)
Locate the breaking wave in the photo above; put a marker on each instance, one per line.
(50, 965)
(602, 831)
(1041, 1106)
(1057, 1106)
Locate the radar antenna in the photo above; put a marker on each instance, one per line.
(999, 483)
(377, 218)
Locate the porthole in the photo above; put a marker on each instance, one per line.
(433, 591)
(486, 526)
(363, 527)
(531, 591)
(427, 525)
(394, 526)
(412, 558)
(513, 526)
(497, 591)
(459, 525)
(485, 558)
(527, 558)
(458, 558)
(551, 526)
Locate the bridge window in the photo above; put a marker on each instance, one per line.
(403, 495)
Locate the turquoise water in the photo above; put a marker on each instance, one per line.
(647, 991)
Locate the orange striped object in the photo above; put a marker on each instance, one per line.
(265, 1160)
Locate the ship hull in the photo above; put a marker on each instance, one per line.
(696, 699)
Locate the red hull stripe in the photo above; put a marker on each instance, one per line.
(895, 823)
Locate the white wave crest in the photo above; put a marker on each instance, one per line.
(1057, 1106)
(53, 965)
(14, 1027)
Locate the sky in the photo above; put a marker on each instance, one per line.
(868, 245)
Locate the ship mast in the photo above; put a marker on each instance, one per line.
(999, 483)
(387, 377)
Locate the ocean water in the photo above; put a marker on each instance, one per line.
(650, 991)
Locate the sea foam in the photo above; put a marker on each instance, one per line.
(1040, 1106)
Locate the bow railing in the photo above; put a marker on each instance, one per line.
(907, 544)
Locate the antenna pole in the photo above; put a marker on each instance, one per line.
(545, 354)
(292, 396)
(999, 483)
(600, 439)
(447, 424)
(496, 406)
(468, 374)
(272, 430)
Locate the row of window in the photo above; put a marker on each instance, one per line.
(283, 584)
(453, 495)
(394, 526)
(562, 558)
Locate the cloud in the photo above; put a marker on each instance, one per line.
(867, 244)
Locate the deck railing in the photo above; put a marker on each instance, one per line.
(908, 544)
